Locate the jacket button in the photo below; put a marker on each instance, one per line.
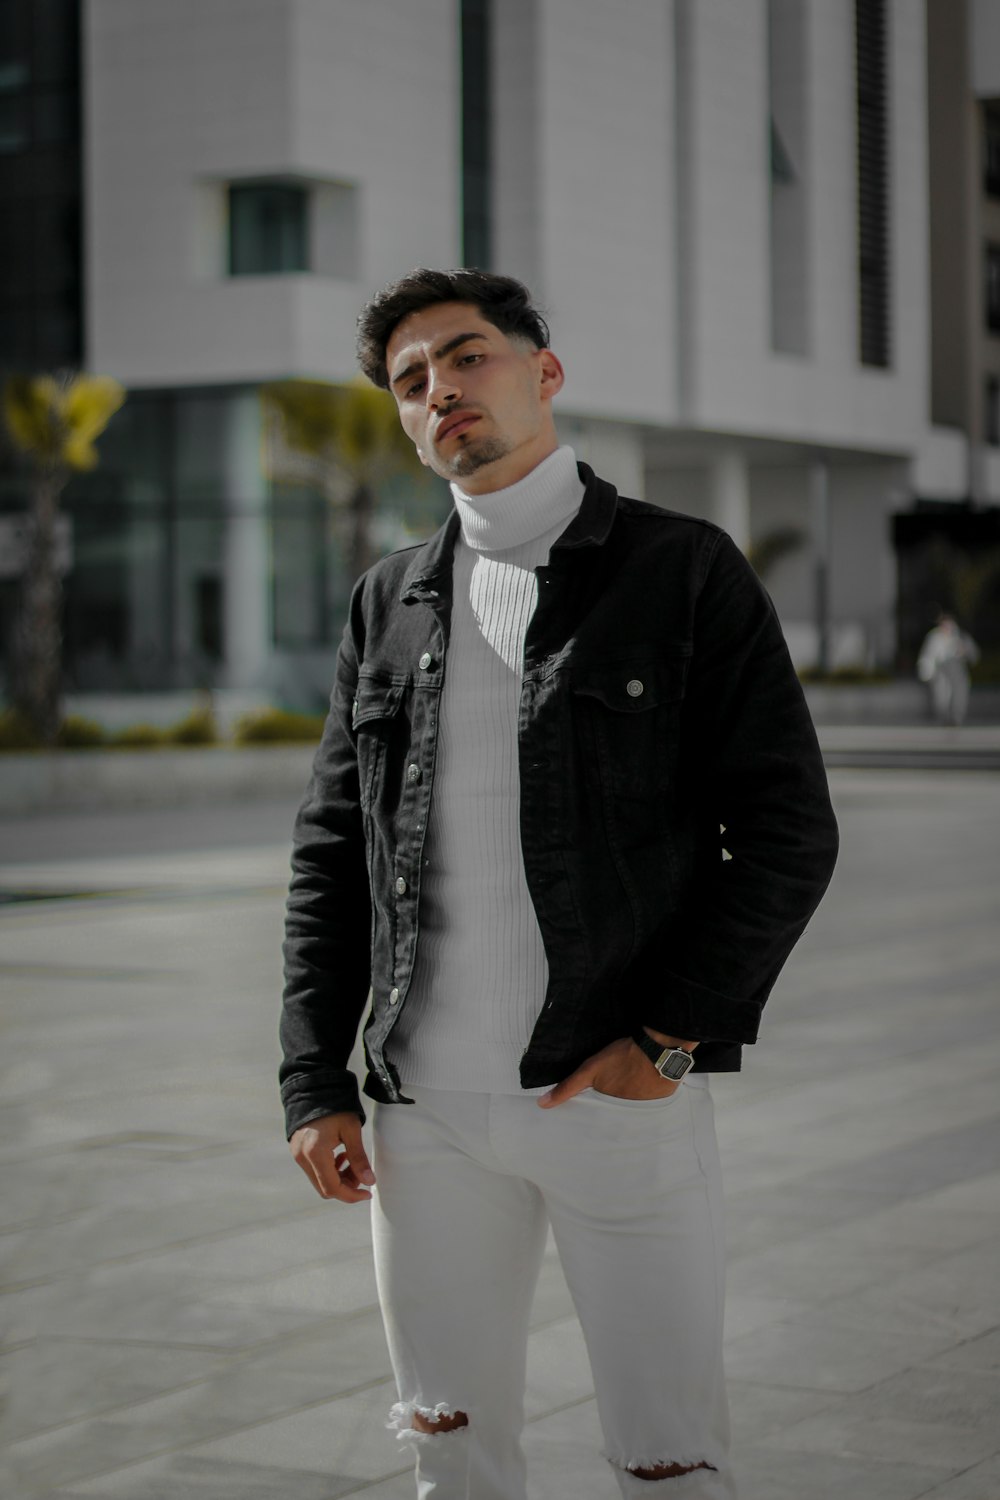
(401, 886)
(634, 688)
(393, 1000)
(413, 773)
(426, 662)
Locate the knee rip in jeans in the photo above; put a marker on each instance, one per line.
(665, 1470)
(414, 1422)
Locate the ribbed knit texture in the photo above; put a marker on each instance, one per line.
(480, 976)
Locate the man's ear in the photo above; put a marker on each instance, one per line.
(552, 377)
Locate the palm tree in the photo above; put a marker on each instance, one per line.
(54, 420)
(344, 439)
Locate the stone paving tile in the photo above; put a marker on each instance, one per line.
(340, 1284)
(982, 1353)
(828, 1357)
(347, 1435)
(563, 1451)
(108, 1304)
(558, 1368)
(980, 1482)
(921, 1416)
(189, 1477)
(745, 1313)
(768, 1474)
(756, 1409)
(54, 1381)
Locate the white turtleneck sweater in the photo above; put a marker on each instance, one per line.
(480, 975)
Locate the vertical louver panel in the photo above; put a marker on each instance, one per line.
(477, 229)
(873, 181)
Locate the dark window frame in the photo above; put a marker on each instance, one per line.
(873, 183)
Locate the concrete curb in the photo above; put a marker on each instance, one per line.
(67, 780)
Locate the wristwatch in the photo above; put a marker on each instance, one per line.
(672, 1063)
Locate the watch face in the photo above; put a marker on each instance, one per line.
(674, 1065)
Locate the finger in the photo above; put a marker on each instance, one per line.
(574, 1084)
(361, 1167)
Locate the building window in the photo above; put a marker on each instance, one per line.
(477, 164)
(991, 152)
(41, 311)
(789, 186)
(993, 288)
(871, 42)
(991, 413)
(268, 228)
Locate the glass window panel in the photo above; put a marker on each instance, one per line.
(300, 545)
(56, 115)
(14, 131)
(14, 32)
(268, 229)
(56, 38)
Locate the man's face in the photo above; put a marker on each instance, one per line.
(475, 403)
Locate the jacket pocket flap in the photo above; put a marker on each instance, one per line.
(630, 687)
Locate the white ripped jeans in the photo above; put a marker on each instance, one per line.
(467, 1184)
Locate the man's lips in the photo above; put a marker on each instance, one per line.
(455, 424)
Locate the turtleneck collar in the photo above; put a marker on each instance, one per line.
(547, 497)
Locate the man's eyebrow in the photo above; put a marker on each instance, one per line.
(452, 344)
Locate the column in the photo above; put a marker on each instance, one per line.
(729, 495)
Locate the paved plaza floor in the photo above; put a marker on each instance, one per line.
(184, 1320)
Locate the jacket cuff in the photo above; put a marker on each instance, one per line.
(698, 1014)
(309, 1097)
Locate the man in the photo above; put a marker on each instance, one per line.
(541, 719)
(943, 664)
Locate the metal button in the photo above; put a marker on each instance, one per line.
(413, 772)
(426, 662)
(393, 999)
(401, 886)
(634, 688)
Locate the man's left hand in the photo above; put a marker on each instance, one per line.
(619, 1069)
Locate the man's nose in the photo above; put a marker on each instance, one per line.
(442, 389)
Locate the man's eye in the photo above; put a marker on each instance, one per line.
(470, 359)
(414, 389)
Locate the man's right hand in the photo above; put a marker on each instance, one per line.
(330, 1153)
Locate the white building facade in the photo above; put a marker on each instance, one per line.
(723, 208)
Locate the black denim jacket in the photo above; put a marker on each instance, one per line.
(658, 703)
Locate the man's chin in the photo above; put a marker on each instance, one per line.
(475, 456)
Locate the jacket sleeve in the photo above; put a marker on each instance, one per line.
(754, 767)
(328, 919)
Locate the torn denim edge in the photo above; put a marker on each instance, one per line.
(695, 1465)
(400, 1420)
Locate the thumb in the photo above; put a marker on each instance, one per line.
(574, 1084)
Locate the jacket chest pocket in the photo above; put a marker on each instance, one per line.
(629, 712)
(376, 708)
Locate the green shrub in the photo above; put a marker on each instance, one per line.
(197, 729)
(139, 737)
(846, 676)
(274, 726)
(78, 733)
(16, 733)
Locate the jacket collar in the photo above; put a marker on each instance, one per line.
(429, 572)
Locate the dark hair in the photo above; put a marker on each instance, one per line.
(501, 300)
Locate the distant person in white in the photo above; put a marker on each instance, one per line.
(943, 664)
